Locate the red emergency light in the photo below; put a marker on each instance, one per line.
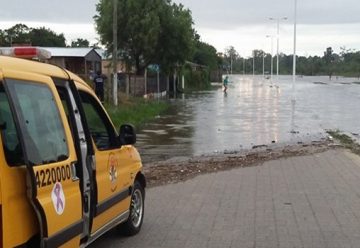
(26, 52)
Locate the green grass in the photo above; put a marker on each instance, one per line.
(136, 111)
(345, 140)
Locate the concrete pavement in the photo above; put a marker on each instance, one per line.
(308, 201)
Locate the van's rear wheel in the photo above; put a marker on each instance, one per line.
(133, 225)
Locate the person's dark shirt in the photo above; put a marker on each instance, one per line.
(99, 81)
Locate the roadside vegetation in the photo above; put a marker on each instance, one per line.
(207, 62)
(345, 63)
(196, 80)
(345, 141)
(166, 37)
(136, 111)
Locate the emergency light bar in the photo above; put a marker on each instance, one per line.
(25, 52)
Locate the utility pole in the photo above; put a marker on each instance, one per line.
(114, 55)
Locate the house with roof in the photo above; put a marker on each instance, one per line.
(81, 60)
(107, 63)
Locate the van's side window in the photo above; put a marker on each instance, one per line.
(100, 127)
(11, 144)
(40, 122)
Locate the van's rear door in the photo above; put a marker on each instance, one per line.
(49, 155)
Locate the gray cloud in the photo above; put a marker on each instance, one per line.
(49, 11)
(228, 14)
(242, 23)
(207, 13)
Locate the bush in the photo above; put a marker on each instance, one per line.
(196, 80)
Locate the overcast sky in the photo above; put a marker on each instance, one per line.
(240, 23)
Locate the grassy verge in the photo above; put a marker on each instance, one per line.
(345, 140)
(136, 111)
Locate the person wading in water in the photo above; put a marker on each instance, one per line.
(225, 83)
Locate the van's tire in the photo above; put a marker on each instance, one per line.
(133, 224)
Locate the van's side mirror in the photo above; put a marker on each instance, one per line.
(127, 135)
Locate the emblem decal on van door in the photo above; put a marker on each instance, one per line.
(113, 174)
(58, 198)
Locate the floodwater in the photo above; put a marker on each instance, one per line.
(253, 112)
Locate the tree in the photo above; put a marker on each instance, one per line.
(176, 39)
(329, 59)
(17, 34)
(138, 29)
(149, 31)
(258, 55)
(22, 34)
(231, 55)
(205, 54)
(45, 37)
(95, 45)
(79, 42)
(345, 52)
(2, 38)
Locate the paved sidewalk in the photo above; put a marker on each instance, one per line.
(309, 201)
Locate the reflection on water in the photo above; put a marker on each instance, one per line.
(253, 112)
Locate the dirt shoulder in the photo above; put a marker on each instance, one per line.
(173, 171)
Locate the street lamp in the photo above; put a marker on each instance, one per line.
(272, 63)
(277, 45)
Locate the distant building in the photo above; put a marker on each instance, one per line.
(82, 61)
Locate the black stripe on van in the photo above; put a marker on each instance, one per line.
(108, 203)
(64, 235)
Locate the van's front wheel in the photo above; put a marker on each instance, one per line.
(133, 225)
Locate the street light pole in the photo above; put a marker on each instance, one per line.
(272, 62)
(277, 42)
(294, 54)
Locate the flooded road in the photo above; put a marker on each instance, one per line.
(253, 112)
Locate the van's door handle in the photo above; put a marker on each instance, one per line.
(73, 171)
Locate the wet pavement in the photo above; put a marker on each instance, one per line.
(308, 201)
(253, 112)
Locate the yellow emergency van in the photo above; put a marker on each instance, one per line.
(66, 175)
